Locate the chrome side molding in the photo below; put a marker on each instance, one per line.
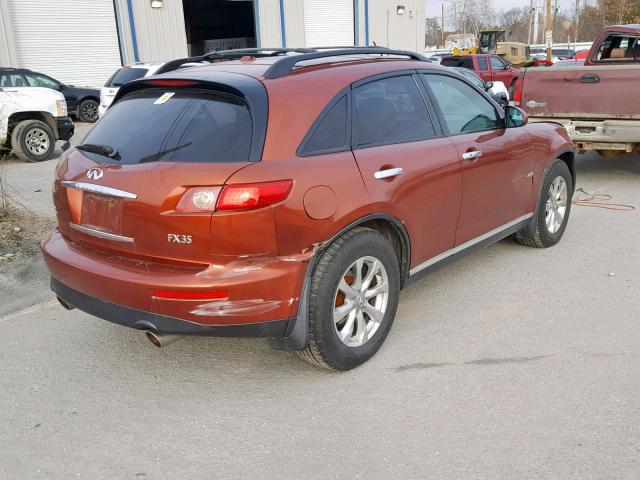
(468, 244)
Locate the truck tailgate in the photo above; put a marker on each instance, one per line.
(582, 92)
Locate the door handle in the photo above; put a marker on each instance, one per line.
(472, 155)
(388, 173)
(590, 78)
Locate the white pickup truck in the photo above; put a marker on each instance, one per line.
(31, 120)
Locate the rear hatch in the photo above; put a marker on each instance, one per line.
(118, 191)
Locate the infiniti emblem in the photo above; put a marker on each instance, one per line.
(95, 174)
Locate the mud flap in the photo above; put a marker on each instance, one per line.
(298, 330)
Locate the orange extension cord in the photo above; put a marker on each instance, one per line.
(599, 200)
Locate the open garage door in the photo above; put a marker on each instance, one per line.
(328, 23)
(219, 25)
(74, 41)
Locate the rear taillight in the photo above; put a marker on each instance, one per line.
(253, 195)
(245, 196)
(198, 200)
(517, 91)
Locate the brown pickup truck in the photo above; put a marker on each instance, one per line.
(597, 103)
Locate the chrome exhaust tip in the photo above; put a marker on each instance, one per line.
(159, 340)
(64, 304)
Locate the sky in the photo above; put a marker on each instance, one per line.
(433, 6)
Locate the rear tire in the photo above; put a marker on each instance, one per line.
(33, 141)
(348, 322)
(88, 111)
(552, 213)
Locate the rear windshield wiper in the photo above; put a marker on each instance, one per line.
(104, 150)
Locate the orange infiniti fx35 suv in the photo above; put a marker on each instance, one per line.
(291, 194)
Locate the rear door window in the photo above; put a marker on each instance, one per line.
(124, 75)
(37, 80)
(390, 110)
(463, 108)
(464, 62)
(482, 64)
(619, 47)
(190, 126)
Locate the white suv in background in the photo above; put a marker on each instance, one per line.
(122, 76)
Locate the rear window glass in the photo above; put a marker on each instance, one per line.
(154, 125)
(125, 75)
(464, 62)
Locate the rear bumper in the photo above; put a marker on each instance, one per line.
(599, 134)
(261, 297)
(141, 320)
(65, 128)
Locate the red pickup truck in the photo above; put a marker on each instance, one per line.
(597, 103)
(491, 68)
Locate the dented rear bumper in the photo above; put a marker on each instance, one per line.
(141, 320)
(263, 293)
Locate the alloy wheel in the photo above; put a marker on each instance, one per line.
(90, 112)
(360, 301)
(556, 206)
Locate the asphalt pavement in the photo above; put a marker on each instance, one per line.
(513, 363)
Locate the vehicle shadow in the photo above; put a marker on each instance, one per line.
(593, 163)
(115, 345)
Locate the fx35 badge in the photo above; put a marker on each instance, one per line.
(176, 238)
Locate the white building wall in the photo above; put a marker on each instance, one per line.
(74, 41)
(294, 22)
(269, 21)
(404, 31)
(160, 32)
(8, 56)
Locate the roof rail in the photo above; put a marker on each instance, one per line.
(230, 55)
(254, 52)
(340, 47)
(285, 65)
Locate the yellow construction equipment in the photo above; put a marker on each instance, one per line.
(516, 53)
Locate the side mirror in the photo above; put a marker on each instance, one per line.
(488, 85)
(515, 117)
(507, 67)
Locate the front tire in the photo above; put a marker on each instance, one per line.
(88, 111)
(552, 213)
(33, 141)
(353, 298)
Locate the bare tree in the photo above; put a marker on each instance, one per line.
(471, 16)
(433, 32)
